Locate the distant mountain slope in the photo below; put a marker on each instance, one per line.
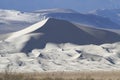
(11, 20)
(59, 31)
(112, 14)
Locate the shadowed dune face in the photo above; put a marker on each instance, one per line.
(60, 31)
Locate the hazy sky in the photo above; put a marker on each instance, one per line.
(79, 5)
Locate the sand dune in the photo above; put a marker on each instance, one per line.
(60, 31)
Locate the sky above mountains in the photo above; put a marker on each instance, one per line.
(79, 5)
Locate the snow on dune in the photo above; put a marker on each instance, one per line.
(63, 57)
(26, 30)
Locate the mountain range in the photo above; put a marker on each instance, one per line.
(12, 20)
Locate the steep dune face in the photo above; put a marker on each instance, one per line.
(60, 31)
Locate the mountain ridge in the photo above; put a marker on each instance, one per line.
(113, 14)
